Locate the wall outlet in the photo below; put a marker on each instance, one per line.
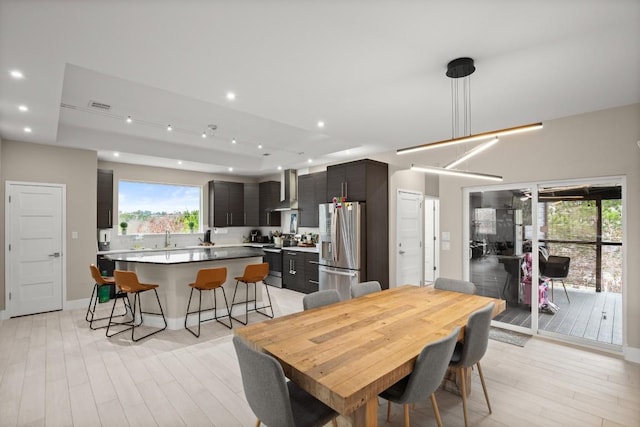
(446, 236)
(220, 231)
(74, 234)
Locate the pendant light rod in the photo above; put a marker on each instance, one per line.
(454, 172)
(470, 138)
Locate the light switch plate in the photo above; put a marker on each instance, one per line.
(446, 246)
(74, 234)
(446, 236)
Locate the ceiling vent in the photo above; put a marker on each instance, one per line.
(99, 105)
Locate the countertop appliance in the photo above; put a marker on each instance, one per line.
(342, 260)
(255, 236)
(104, 239)
(207, 236)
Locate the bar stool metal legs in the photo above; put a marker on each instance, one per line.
(253, 273)
(93, 301)
(209, 279)
(127, 281)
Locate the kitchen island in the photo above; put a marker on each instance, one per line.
(173, 270)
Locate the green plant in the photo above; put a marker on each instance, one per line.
(124, 225)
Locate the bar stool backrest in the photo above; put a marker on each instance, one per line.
(95, 273)
(127, 281)
(211, 277)
(254, 273)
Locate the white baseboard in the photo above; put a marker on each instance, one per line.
(632, 354)
(76, 304)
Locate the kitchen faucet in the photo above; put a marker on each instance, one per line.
(167, 238)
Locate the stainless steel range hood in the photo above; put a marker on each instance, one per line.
(288, 191)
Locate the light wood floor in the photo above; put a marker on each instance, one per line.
(55, 371)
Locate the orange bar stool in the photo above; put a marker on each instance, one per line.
(253, 273)
(208, 279)
(93, 301)
(128, 282)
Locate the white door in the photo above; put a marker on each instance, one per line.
(409, 238)
(431, 226)
(34, 248)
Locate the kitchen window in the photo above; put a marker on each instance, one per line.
(152, 208)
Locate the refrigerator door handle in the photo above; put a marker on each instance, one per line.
(334, 234)
(338, 273)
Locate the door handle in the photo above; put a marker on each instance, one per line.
(400, 252)
(55, 255)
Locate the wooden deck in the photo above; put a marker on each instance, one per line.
(590, 315)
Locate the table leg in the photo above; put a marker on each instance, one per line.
(367, 414)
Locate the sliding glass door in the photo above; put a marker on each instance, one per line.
(500, 228)
(554, 253)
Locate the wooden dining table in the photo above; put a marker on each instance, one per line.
(346, 353)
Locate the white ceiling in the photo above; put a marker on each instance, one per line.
(372, 70)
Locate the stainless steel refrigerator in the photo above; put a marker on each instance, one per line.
(342, 246)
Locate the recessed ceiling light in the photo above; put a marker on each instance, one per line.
(27, 129)
(129, 120)
(260, 146)
(23, 108)
(204, 134)
(230, 169)
(169, 128)
(231, 96)
(309, 161)
(17, 74)
(233, 141)
(116, 154)
(279, 168)
(320, 124)
(179, 162)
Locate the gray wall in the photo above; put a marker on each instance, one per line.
(77, 170)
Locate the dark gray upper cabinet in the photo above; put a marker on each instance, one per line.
(312, 190)
(226, 204)
(269, 199)
(105, 199)
(251, 205)
(350, 180)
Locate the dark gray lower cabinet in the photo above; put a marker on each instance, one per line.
(298, 272)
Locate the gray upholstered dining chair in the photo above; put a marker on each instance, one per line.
(320, 298)
(455, 285)
(364, 288)
(276, 401)
(425, 379)
(471, 350)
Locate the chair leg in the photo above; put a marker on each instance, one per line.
(226, 304)
(436, 411)
(484, 387)
(146, 312)
(388, 410)
(266, 288)
(406, 415)
(334, 423)
(552, 299)
(186, 316)
(463, 390)
(565, 290)
(258, 423)
(246, 303)
(89, 310)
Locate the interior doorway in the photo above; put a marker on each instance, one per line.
(35, 246)
(409, 243)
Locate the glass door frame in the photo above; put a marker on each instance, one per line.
(534, 186)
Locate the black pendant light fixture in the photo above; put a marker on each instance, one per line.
(459, 71)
